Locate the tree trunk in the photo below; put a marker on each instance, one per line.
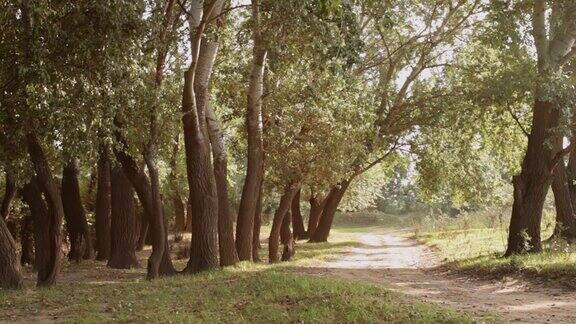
(331, 205)
(158, 222)
(316, 207)
(297, 222)
(32, 196)
(76, 224)
(283, 208)
(228, 255)
(10, 274)
(250, 190)
(256, 245)
(179, 213)
(148, 194)
(103, 205)
(286, 237)
(123, 234)
(531, 185)
(27, 240)
(175, 195)
(9, 193)
(200, 174)
(55, 209)
(565, 220)
(571, 170)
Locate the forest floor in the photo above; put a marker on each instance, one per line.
(247, 293)
(364, 274)
(400, 263)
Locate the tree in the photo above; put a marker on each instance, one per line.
(103, 206)
(281, 212)
(297, 221)
(250, 191)
(535, 177)
(123, 220)
(77, 226)
(201, 181)
(227, 248)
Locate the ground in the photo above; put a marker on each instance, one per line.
(90, 292)
(365, 274)
(398, 262)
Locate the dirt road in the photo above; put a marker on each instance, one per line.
(403, 265)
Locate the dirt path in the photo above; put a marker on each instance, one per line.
(403, 265)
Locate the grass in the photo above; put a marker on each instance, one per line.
(259, 293)
(476, 242)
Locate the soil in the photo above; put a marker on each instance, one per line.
(401, 264)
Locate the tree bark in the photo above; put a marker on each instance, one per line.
(331, 205)
(283, 208)
(250, 190)
(123, 234)
(103, 206)
(32, 196)
(316, 207)
(10, 273)
(48, 187)
(148, 194)
(297, 222)
(27, 240)
(76, 224)
(286, 237)
(9, 194)
(200, 174)
(256, 245)
(175, 195)
(553, 47)
(228, 255)
(531, 185)
(565, 219)
(571, 169)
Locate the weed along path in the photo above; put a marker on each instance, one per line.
(405, 266)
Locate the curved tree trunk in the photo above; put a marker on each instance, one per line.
(32, 196)
(175, 196)
(316, 207)
(10, 274)
(297, 222)
(103, 206)
(565, 219)
(228, 255)
(27, 240)
(331, 205)
(148, 194)
(55, 209)
(200, 174)
(571, 170)
(179, 213)
(123, 234)
(76, 224)
(250, 190)
(531, 185)
(281, 211)
(9, 194)
(286, 237)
